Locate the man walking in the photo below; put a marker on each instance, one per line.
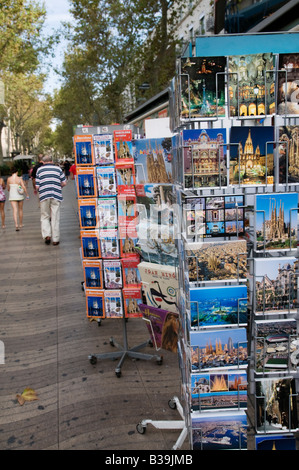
(49, 182)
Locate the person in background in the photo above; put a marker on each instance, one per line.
(66, 168)
(35, 168)
(49, 182)
(2, 201)
(17, 189)
(73, 171)
(25, 173)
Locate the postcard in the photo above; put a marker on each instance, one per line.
(93, 274)
(126, 208)
(251, 82)
(109, 243)
(204, 158)
(156, 203)
(90, 244)
(125, 177)
(123, 146)
(107, 212)
(84, 155)
(153, 161)
(128, 241)
(276, 408)
(132, 298)
(251, 156)
(214, 216)
(226, 430)
(86, 184)
(276, 217)
(95, 307)
(219, 349)
(106, 181)
(113, 304)
(130, 271)
(275, 341)
(217, 260)
(163, 327)
(277, 442)
(218, 306)
(202, 87)
(275, 288)
(112, 274)
(88, 216)
(103, 149)
(288, 76)
(160, 285)
(288, 154)
(219, 391)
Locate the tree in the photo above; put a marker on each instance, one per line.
(20, 41)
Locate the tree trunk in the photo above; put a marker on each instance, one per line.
(1, 150)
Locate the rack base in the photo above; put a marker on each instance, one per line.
(125, 352)
(174, 403)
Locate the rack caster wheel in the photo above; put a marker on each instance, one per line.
(172, 404)
(111, 342)
(160, 361)
(140, 428)
(93, 360)
(99, 322)
(118, 373)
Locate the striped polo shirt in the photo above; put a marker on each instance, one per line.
(48, 180)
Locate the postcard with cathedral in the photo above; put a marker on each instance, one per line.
(131, 276)
(276, 221)
(204, 158)
(84, 152)
(275, 285)
(217, 260)
(88, 214)
(93, 275)
(95, 307)
(123, 146)
(288, 76)
(132, 298)
(202, 87)
(90, 244)
(275, 341)
(275, 405)
(86, 182)
(251, 85)
(288, 154)
(153, 161)
(251, 156)
(219, 349)
(103, 149)
(219, 391)
(225, 430)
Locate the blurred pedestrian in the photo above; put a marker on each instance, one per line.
(2, 201)
(73, 171)
(35, 168)
(49, 182)
(66, 168)
(25, 173)
(17, 189)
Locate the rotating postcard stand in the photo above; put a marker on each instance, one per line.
(125, 351)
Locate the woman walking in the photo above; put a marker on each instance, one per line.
(2, 201)
(16, 188)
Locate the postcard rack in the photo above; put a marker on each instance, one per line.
(236, 177)
(105, 184)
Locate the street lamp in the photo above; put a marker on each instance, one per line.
(256, 92)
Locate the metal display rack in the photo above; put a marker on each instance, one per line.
(196, 408)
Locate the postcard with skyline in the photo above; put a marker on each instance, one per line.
(218, 349)
(218, 306)
(276, 221)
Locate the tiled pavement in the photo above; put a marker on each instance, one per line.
(48, 338)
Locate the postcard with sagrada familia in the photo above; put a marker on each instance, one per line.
(153, 160)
